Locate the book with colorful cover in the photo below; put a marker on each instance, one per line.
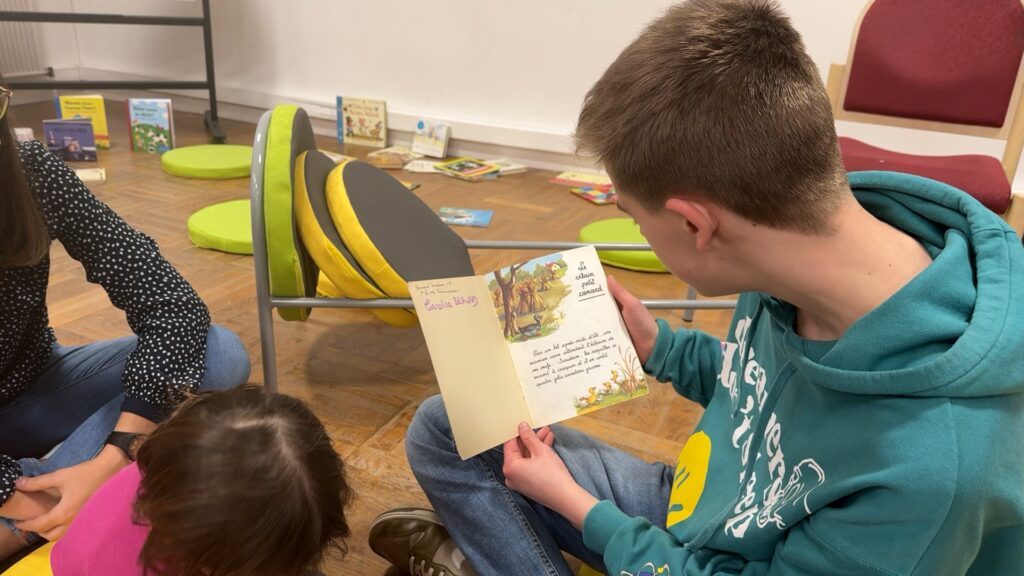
(151, 124)
(544, 335)
(392, 158)
(466, 217)
(430, 139)
(594, 195)
(362, 121)
(70, 140)
(469, 169)
(88, 106)
(597, 181)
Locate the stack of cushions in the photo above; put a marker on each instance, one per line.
(364, 231)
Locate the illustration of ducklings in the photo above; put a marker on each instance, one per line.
(592, 396)
(608, 388)
(531, 330)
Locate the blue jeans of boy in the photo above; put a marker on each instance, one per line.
(76, 401)
(499, 530)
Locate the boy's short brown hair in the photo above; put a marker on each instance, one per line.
(719, 99)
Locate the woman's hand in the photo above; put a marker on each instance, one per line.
(73, 485)
(535, 470)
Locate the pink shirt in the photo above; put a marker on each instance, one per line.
(102, 539)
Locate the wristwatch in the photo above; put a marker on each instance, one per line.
(127, 442)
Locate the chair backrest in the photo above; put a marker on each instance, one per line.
(951, 61)
(952, 66)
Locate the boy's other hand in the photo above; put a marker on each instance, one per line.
(639, 321)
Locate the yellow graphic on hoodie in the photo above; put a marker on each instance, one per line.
(691, 473)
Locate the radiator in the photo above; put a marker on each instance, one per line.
(19, 43)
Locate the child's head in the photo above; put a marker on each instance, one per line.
(241, 483)
(718, 102)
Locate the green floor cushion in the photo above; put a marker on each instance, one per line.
(226, 227)
(292, 271)
(621, 230)
(393, 235)
(320, 237)
(208, 161)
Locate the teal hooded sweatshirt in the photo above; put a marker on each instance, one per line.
(897, 449)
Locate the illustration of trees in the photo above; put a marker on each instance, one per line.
(506, 285)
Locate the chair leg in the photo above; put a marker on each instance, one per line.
(691, 294)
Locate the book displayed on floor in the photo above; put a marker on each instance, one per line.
(538, 342)
(469, 169)
(465, 217)
(362, 121)
(151, 124)
(596, 181)
(595, 195)
(430, 139)
(70, 140)
(393, 158)
(88, 106)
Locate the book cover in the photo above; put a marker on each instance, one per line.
(430, 139)
(362, 121)
(88, 106)
(151, 124)
(597, 181)
(545, 336)
(506, 166)
(466, 217)
(422, 167)
(392, 158)
(595, 195)
(92, 174)
(469, 169)
(70, 140)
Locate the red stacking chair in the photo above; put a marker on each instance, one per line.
(940, 65)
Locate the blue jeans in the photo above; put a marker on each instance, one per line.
(76, 401)
(499, 530)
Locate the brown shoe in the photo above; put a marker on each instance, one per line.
(415, 540)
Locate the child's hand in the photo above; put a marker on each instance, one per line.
(535, 470)
(639, 321)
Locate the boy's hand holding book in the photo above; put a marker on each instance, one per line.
(640, 324)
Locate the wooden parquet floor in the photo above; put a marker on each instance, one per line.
(363, 378)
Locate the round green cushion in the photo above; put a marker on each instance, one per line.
(208, 161)
(621, 230)
(226, 227)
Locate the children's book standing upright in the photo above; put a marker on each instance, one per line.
(362, 121)
(430, 139)
(538, 342)
(89, 106)
(151, 123)
(70, 140)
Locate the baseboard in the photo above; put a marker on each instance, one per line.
(537, 149)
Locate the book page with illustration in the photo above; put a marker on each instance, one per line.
(567, 341)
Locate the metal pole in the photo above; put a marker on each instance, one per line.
(211, 119)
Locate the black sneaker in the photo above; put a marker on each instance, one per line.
(414, 539)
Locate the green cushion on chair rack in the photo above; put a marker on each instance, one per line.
(226, 227)
(208, 161)
(618, 231)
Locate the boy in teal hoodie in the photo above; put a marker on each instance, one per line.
(865, 414)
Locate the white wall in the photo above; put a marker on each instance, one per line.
(512, 73)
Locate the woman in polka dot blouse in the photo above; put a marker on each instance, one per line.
(70, 416)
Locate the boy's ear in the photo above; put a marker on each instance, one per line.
(700, 221)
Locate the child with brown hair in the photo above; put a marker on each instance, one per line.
(235, 483)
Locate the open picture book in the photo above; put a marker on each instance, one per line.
(539, 341)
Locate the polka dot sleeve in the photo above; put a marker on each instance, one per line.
(9, 472)
(162, 308)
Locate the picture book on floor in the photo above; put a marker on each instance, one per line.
(596, 181)
(24, 134)
(92, 174)
(88, 106)
(70, 140)
(430, 139)
(506, 166)
(469, 169)
(151, 124)
(422, 167)
(594, 195)
(465, 217)
(362, 121)
(540, 341)
(393, 158)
